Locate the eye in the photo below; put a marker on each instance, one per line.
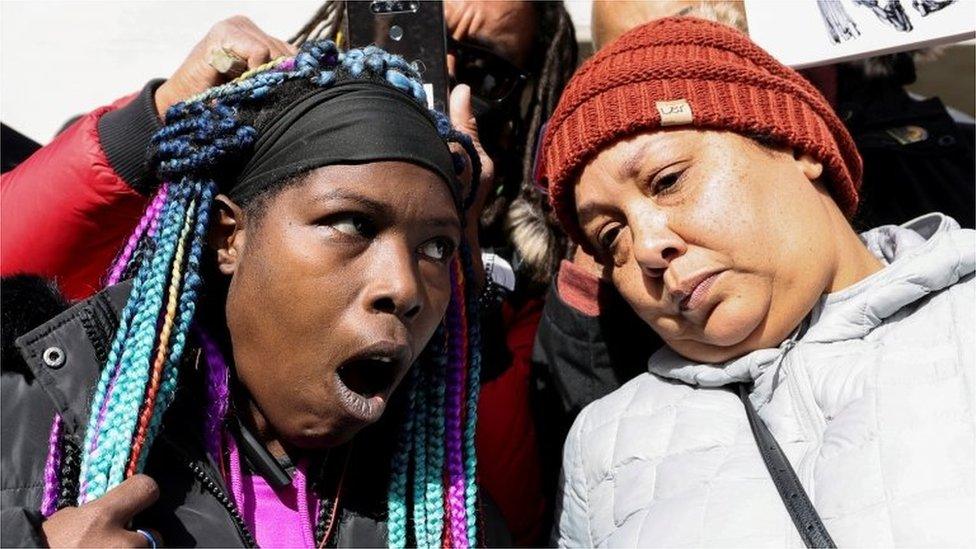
(666, 182)
(608, 238)
(352, 224)
(437, 249)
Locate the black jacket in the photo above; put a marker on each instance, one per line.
(194, 508)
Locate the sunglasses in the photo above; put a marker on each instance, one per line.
(490, 77)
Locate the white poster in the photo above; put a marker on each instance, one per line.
(804, 33)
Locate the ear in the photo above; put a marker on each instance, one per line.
(811, 167)
(227, 234)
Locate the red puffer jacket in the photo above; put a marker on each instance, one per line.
(66, 210)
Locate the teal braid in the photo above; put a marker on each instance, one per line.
(92, 450)
(419, 412)
(434, 496)
(97, 466)
(187, 307)
(123, 407)
(396, 500)
(471, 404)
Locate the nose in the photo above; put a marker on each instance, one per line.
(656, 246)
(396, 288)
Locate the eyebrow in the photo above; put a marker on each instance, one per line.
(587, 212)
(341, 194)
(447, 222)
(380, 208)
(630, 167)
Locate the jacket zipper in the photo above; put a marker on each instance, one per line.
(212, 487)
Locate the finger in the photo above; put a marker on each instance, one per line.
(461, 114)
(247, 42)
(255, 52)
(126, 500)
(137, 539)
(275, 48)
(283, 48)
(156, 536)
(462, 117)
(227, 63)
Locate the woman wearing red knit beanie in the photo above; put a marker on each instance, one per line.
(817, 384)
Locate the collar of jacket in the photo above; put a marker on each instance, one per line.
(925, 255)
(65, 354)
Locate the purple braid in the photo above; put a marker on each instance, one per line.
(456, 499)
(51, 482)
(218, 392)
(147, 226)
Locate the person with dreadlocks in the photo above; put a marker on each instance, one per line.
(304, 254)
(532, 47)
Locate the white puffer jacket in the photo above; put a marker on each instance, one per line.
(872, 400)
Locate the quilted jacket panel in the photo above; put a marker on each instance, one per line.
(871, 399)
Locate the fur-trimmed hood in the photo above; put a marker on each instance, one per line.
(26, 302)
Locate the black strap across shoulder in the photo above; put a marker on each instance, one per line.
(801, 510)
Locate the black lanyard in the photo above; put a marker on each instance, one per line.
(801, 510)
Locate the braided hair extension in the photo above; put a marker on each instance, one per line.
(148, 224)
(457, 357)
(397, 493)
(434, 440)
(471, 405)
(198, 145)
(49, 499)
(146, 227)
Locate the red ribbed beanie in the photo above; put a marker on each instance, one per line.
(683, 71)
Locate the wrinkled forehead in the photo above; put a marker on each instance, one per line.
(396, 191)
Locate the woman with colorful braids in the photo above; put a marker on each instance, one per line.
(305, 249)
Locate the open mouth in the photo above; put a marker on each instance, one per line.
(368, 377)
(365, 381)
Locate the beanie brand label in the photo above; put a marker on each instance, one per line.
(674, 113)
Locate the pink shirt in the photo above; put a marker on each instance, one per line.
(275, 516)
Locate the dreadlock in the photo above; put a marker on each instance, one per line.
(205, 137)
(323, 25)
(531, 229)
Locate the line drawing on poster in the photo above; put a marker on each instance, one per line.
(842, 27)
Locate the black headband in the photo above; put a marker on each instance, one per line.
(353, 122)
